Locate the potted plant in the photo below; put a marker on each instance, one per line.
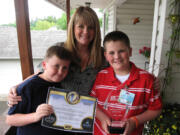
(145, 51)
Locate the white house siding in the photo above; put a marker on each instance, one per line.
(11, 74)
(110, 14)
(140, 34)
(160, 47)
(172, 94)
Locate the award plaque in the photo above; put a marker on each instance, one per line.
(72, 112)
(116, 127)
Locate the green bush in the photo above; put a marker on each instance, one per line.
(168, 123)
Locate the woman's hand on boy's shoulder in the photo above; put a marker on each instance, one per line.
(157, 84)
(12, 97)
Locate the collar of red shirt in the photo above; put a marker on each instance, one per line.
(134, 75)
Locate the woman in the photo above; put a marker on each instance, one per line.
(84, 41)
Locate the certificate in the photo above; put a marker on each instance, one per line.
(72, 112)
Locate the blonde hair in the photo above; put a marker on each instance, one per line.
(88, 17)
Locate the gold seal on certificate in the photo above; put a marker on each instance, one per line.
(73, 97)
(72, 112)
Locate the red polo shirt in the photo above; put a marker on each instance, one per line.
(107, 89)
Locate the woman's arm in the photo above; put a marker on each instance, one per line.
(157, 84)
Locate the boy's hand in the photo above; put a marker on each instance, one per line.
(43, 110)
(130, 126)
(105, 120)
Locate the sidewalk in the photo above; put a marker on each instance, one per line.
(3, 110)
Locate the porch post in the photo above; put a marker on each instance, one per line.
(24, 37)
(68, 11)
(158, 36)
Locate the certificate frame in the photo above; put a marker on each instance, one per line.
(72, 112)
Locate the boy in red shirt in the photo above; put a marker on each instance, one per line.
(126, 98)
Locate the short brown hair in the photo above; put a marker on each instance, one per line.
(116, 36)
(59, 51)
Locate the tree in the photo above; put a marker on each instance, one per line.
(51, 19)
(42, 25)
(62, 22)
(10, 24)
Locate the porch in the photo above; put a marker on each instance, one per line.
(153, 30)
